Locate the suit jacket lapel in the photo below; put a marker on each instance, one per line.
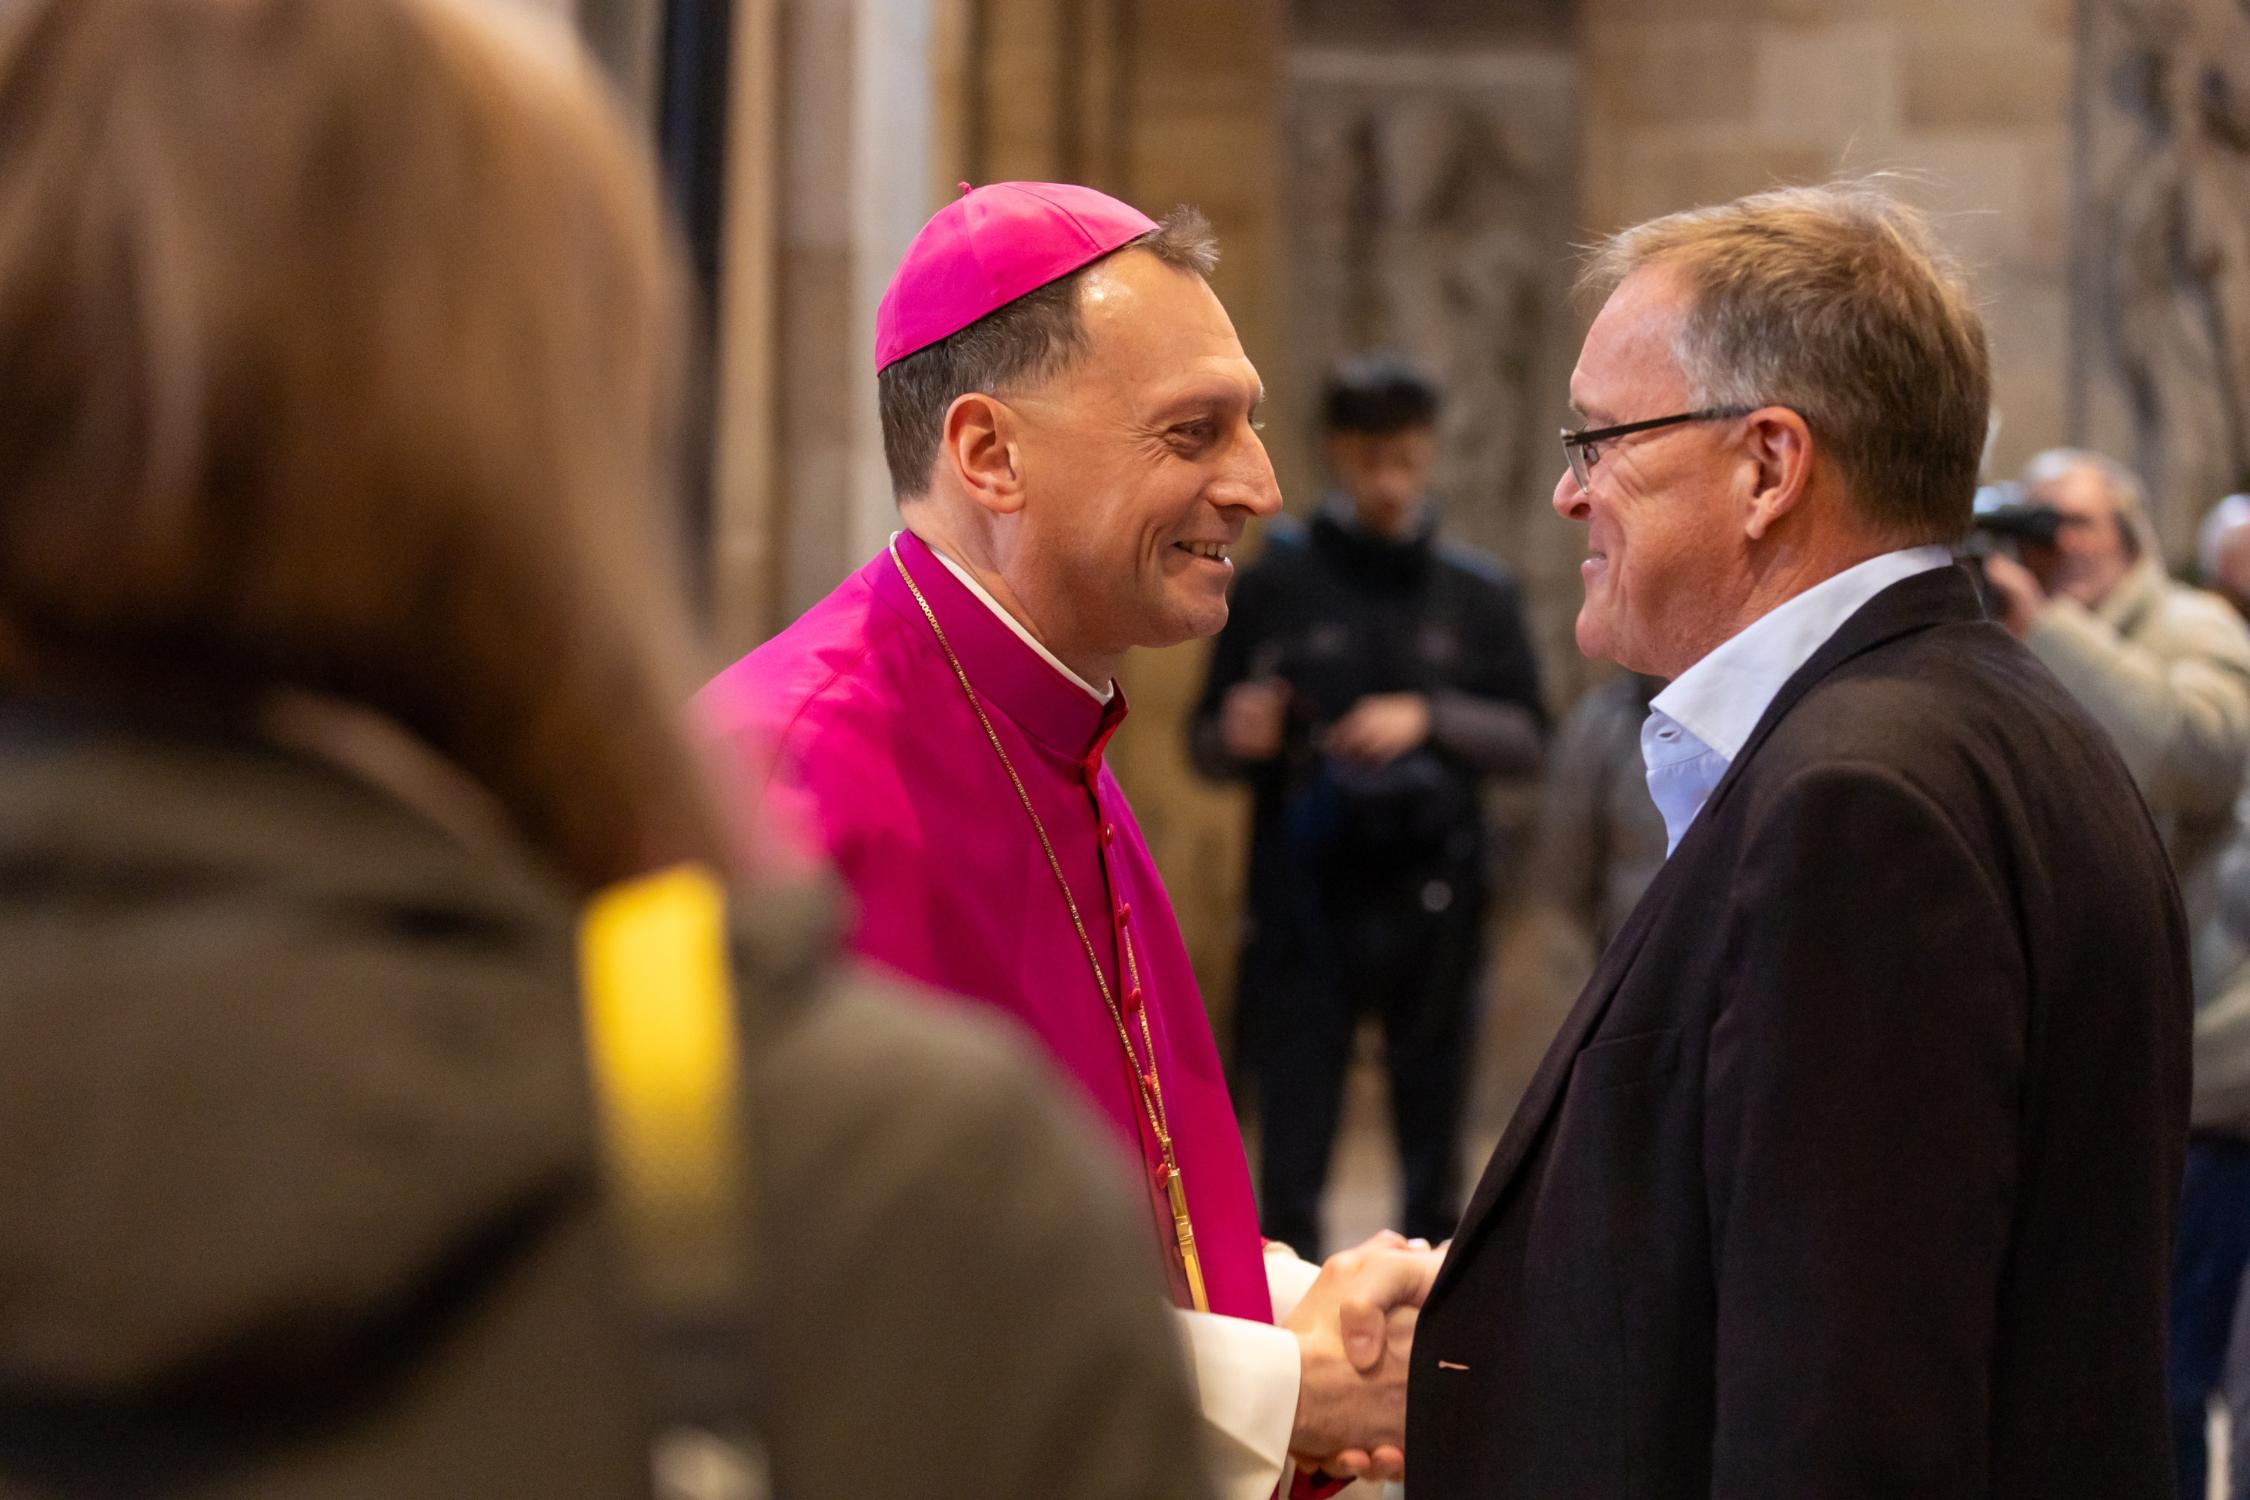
(1939, 597)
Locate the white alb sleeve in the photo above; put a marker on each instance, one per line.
(1246, 1379)
(1246, 1384)
(1288, 1277)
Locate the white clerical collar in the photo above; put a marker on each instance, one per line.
(1098, 694)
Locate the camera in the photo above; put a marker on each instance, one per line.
(2002, 515)
(2001, 523)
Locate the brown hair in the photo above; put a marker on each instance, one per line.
(1033, 338)
(339, 341)
(1837, 302)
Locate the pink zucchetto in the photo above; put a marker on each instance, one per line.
(990, 246)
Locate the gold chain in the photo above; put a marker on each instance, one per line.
(1145, 1082)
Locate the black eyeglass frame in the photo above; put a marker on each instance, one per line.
(1577, 445)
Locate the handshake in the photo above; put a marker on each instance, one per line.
(1355, 1328)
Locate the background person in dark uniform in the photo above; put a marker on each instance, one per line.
(1369, 677)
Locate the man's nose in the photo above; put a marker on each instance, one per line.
(1569, 499)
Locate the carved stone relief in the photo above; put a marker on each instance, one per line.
(2165, 245)
(1430, 213)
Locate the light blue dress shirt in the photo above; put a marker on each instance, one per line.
(1699, 724)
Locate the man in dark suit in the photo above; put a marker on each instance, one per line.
(1852, 1172)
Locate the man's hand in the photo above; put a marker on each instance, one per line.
(1380, 728)
(2018, 591)
(1252, 718)
(1354, 1330)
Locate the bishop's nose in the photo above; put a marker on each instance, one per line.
(1252, 484)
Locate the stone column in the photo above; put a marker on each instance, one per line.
(2161, 367)
(830, 165)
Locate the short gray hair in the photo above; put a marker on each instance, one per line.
(1033, 338)
(2128, 497)
(1838, 303)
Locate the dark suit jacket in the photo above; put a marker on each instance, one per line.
(1852, 1173)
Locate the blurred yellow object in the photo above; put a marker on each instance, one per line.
(664, 1045)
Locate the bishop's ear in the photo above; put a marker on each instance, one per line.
(1780, 451)
(981, 449)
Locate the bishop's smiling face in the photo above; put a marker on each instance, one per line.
(1142, 462)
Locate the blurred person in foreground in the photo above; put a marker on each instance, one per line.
(2165, 668)
(1070, 425)
(1370, 677)
(339, 663)
(1852, 1173)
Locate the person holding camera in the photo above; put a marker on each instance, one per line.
(2165, 668)
(1369, 678)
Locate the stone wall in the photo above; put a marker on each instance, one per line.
(1430, 212)
(2163, 347)
(1696, 101)
(829, 177)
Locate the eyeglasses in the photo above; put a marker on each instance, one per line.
(1582, 449)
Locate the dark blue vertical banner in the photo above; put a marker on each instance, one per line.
(692, 116)
(691, 122)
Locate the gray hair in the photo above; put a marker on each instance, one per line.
(2128, 497)
(1838, 303)
(2227, 516)
(1031, 339)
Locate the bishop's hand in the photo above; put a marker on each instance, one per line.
(1354, 1329)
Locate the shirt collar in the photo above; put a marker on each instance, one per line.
(1721, 698)
(1100, 694)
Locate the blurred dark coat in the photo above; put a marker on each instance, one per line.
(1341, 614)
(1852, 1174)
(297, 1187)
(1601, 839)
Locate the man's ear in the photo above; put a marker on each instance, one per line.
(1780, 450)
(980, 445)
